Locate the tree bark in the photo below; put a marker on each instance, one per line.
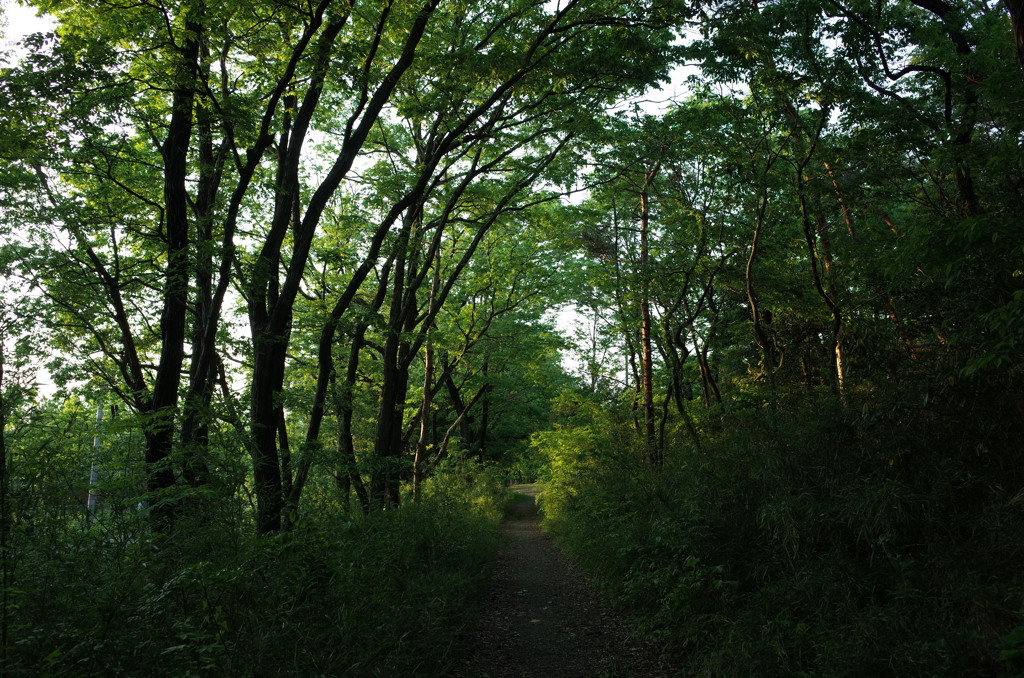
(767, 345)
(810, 237)
(5, 513)
(426, 403)
(163, 401)
(1016, 11)
(348, 471)
(385, 479)
(654, 451)
(195, 429)
(271, 300)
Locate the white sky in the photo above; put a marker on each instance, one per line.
(17, 21)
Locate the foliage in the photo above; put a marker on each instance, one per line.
(827, 541)
(833, 273)
(307, 256)
(383, 595)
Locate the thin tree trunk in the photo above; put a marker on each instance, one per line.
(271, 300)
(708, 384)
(426, 404)
(5, 517)
(344, 409)
(765, 342)
(630, 369)
(459, 406)
(485, 412)
(1016, 10)
(847, 214)
(384, 480)
(442, 448)
(810, 238)
(287, 477)
(646, 353)
(345, 405)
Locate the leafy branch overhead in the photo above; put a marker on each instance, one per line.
(734, 277)
(200, 150)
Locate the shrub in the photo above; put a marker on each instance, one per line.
(382, 595)
(826, 541)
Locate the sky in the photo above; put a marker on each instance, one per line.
(17, 21)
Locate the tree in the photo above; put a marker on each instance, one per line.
(182, 165)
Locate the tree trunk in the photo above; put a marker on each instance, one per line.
(195, 429)
(271, 299)
(767, 345)
(163, 401)
(485, 412)
(348, 469)
(267, 384)
(810, 237)
(386, 477)
(646, 353)
(426, 404)
(461, 409)
(442, 448)
(1016, 10)
(5, 515)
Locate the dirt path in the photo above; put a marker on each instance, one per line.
(542, 619)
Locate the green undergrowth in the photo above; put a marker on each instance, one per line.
(835, 541)
(381, 595)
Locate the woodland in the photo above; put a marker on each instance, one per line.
(290, 290)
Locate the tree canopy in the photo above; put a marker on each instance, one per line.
(307, 258)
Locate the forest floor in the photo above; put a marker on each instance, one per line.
(542, 619)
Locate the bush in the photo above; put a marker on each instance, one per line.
(382, 595)
(829, 541)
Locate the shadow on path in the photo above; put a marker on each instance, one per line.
(542, 619)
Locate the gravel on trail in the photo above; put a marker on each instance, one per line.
(541, 618)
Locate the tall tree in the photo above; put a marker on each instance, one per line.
(185, 162)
